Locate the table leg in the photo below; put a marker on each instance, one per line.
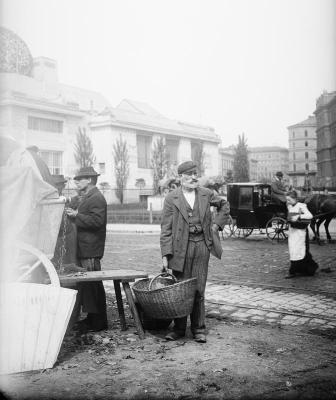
(121, 312)
(134, 310)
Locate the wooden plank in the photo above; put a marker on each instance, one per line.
(90, 276)
(120, 305)
(129, 297)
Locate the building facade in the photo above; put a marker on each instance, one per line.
(36, 109)
(225, 162)
(302, 152)
(270, 159)
(140, 126)
(326, 139)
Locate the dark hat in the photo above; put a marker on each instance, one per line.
(279, 173)
(86, 172)
(59, 179)
(33, 148)
(185, 167)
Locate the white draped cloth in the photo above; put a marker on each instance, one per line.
(297, 237)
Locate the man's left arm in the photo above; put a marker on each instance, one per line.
(223, 210)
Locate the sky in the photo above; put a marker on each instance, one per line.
(240, 66)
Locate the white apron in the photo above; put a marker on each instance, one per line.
(297, 237)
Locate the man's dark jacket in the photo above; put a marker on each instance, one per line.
(175, 225)
(91, 225)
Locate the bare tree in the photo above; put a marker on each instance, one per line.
(83, 149)
(159, 162)
(121, 167)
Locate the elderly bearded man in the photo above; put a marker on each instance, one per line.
(188, 235)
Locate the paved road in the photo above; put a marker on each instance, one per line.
(249, 282)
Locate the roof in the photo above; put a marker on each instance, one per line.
(141, 116)
(13, 85)
(310, 121)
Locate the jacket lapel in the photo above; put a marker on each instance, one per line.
(180, 204)
(202, 203)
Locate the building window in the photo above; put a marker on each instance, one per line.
(101, 168)
(144, 151)
(293, 135)
(306, 155)
(306, 143)
(172, 149)
(306, 133)
(294, 156)
(307, 167)
(294, 167)
(54, 161)
(45, 124)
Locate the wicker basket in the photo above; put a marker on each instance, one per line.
(173, 301)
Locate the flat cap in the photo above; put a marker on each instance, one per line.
(86, 172)
(186, 166)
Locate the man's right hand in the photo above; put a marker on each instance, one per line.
(164, 264)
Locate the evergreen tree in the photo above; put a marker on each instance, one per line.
(240, 161)
(83, 149)
(121, 167)
(159, 163)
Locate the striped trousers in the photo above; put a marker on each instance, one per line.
(195, 266)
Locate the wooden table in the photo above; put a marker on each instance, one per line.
(117, 276)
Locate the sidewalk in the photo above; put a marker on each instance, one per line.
(135, 228)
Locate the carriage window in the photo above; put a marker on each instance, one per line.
(245, 198)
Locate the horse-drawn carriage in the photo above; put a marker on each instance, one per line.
(252, 208)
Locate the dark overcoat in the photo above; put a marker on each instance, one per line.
(278, 191)
(175, 225)
(91, 225)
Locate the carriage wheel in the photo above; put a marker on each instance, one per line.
(276, 229)
(242, 232)
(228, 229)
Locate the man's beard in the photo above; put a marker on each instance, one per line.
(191, 185)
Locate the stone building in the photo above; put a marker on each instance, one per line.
(302, 152)
(270, 159)
(326, 139)
(139, 125)
(225, 162)
(36, 109)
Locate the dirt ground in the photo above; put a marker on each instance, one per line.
(250, 361)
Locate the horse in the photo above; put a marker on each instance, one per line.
(323, 208)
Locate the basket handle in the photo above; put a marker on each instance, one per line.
(162, 274)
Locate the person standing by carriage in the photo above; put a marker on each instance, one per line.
(187, 238)
(301, 261)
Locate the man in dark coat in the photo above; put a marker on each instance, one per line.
(278, 189)
(188, 235)
(90, 218)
